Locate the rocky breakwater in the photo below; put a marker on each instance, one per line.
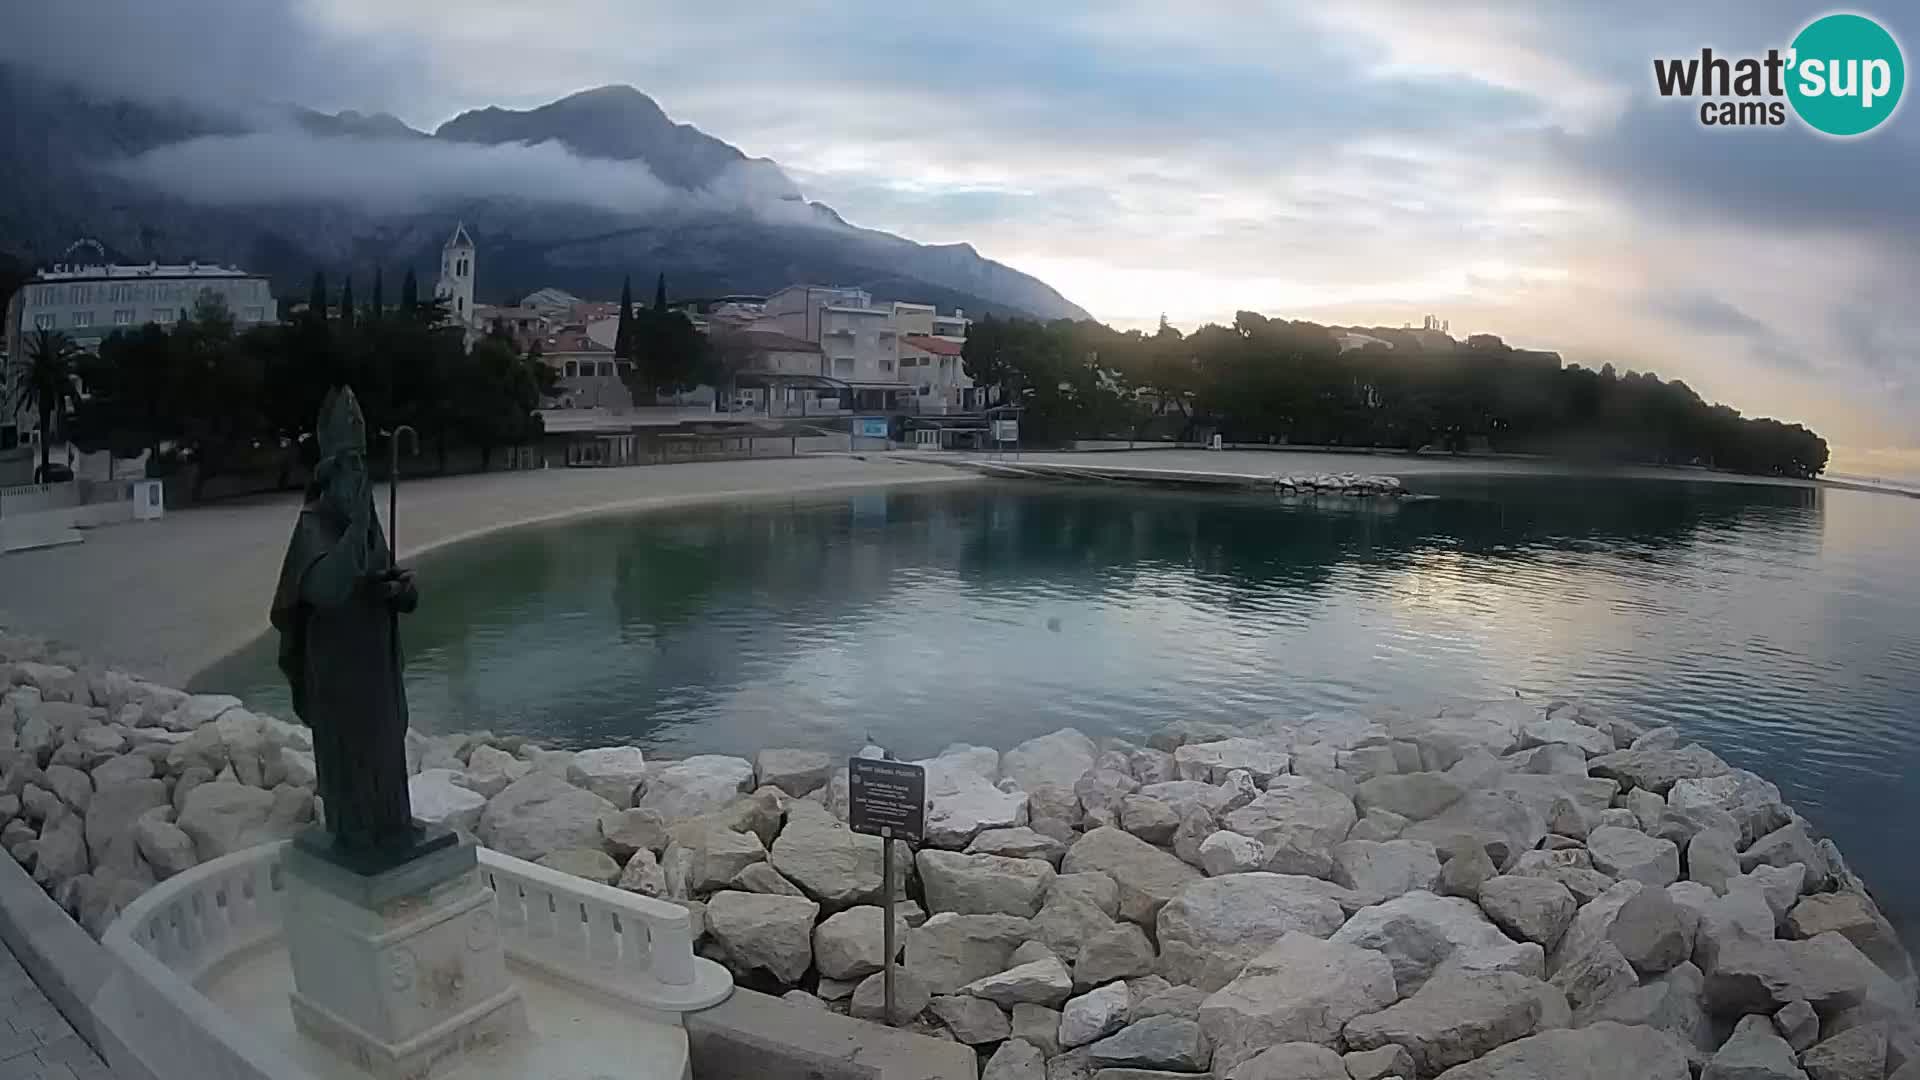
(1490, 890)
(1352, 485)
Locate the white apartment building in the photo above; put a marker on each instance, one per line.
(926, 321)
(859, 343)
(89, 300)
(934, 368)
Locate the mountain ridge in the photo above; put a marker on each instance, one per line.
(729, 222)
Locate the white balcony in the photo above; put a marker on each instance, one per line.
(201, 980)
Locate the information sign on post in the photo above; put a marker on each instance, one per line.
(887, 799)
(870, 427)
(1006, 431)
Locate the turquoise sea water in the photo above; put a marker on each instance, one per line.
(1779, 626)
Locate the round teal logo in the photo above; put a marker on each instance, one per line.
(1845, 74)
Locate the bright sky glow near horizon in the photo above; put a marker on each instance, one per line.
(1508, 166)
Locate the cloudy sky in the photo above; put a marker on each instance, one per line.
(1507, 167)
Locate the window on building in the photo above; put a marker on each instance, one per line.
(123, 317)
(886, 365)
(573, 369)
(254, 313)
(460, 304)
(163, 316)
(9, 436)
(606, 368)
(83, 318)
(43, 321)
(626, 367)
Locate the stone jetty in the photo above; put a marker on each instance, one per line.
(1498, 890)
(1295, 486)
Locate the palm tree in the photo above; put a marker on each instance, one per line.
(44, 381)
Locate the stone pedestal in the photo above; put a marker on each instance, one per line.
(400, 972)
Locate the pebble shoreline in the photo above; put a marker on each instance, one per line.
(1480, 891)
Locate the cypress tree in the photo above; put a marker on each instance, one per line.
(346, 304)
(660, 293)
(378, 306)
(317, 296)
(409, 292)
(623, 336)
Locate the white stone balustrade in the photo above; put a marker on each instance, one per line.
(634, 947)
(168, 939)
(176, 936)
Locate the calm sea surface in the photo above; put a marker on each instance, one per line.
(1779, 626)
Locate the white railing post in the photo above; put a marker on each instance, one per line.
(673, 951)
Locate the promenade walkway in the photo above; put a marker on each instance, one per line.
(35, 1041)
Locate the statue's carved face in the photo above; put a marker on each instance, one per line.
(344, 482)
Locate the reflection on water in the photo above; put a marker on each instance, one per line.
(1778, 625)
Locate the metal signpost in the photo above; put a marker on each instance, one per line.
(1007, 431)
(887, 799)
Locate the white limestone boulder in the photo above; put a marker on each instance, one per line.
(796, 772)
(1147, 876)
(697, 785)
(1040, 982)
(1047, 768)
(1628, 854)
(1121, 951)
(1226, 852)
(851, 944)
(1604, 1051)
(1093, 1015)
(1531, 909)
(1298, 821)
(1417, 931)
(1212, 761)
(1381, 870)
(972, 1021)
(1754, 1052)
(438, 800)
(1653, 933)
(1016, 1059)
(1171, 1043)
(1414, 796)
(983, 884)
(1459, 1016)
(539, 813)
(489, 770)
(611, 772)
(949, 951)
(1752, 801)
(1657, 770)
(715, 854)
(1019, 842)
(1211, 928)
(111, 812)
(963, 798)
(589, 863)
(832, 863)
(166, 847)
(1300, 989)
(759, 931)
(223, 817)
